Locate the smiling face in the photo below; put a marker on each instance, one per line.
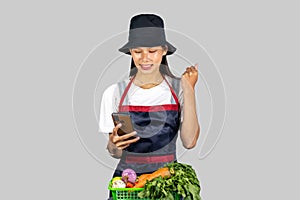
(148, 59)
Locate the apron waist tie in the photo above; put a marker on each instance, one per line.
(149, 159)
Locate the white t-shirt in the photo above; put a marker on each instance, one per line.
(137, 96)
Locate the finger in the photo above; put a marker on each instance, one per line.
(135, 139)
(188, 70)
(123, 147)
(185, 75)
(124, 143)
(114, 137)
(115, 140)
(116, 128)
(193, 73)
(128, 135)
(194, 70)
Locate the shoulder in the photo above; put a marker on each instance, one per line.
(114, 90)
(173, 79)
(175, 82)
(110, 89)
(113, 87)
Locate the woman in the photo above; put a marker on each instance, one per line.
(154, 98)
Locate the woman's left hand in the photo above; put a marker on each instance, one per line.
(190, 76)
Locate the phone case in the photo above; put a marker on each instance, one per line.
(125, 120)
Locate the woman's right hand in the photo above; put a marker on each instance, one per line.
(122, 142)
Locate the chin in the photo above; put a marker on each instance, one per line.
(147, 70)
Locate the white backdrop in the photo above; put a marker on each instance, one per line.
(254, 45)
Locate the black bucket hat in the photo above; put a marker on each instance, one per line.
(147, 30)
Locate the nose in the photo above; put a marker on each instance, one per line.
(144, 56)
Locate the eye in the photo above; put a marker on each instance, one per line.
(137, 51)
(153, 51)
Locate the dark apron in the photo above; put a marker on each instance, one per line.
(157, 126)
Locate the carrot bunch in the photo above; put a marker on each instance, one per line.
(142, 180)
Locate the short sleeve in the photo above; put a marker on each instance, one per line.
(109, 104)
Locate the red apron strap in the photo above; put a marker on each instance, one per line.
(124, 94)
(172, 91)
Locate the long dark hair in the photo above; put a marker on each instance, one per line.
(164, 68)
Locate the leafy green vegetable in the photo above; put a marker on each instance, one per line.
(183, 181)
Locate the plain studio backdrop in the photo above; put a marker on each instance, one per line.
(45, 51)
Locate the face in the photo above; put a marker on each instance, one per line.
(148, 59)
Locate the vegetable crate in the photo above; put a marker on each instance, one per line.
(130, 193)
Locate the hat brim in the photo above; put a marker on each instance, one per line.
(129, 45)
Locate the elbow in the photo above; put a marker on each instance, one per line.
(191, 144)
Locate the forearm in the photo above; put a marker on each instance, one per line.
(190, 128)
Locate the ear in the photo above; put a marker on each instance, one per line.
(165, 50)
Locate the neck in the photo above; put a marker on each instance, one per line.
(147, 81)
(149, 78)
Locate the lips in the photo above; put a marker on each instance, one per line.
(146, 66)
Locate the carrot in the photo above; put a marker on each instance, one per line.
(142, 177)
(160, 172)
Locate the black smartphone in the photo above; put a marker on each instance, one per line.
(125, 120)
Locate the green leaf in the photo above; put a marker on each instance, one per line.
(183, 181)
(194, 191)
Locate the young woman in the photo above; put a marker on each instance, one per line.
(160, 104)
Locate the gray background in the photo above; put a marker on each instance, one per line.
(253, 43)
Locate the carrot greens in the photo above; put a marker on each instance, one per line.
(183, 181)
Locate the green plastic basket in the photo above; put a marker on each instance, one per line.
(130, 193)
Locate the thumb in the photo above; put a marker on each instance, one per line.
(196, 66)
(115, 132)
